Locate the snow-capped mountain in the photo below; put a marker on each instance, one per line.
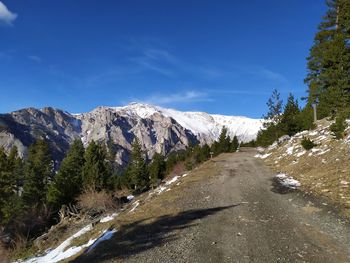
(206, 126)
(158, 129)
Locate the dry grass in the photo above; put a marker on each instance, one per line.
(151, 208)
(319, 175)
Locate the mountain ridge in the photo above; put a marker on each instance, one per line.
(159, 129)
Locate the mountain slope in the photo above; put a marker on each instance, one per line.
(206, 126)
(158, 129)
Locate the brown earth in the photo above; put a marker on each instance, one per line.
(227, 210)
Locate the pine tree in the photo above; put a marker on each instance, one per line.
(171, 161)
(329, 60)
(10, 172)
(157, 168)
(290, 118)
(96, 171)
(5, 183)
(68, 181)
(223, 144)
(214, 148)
(137, 170)
(274, 105)
(38, 172)
(272, 130)
(204, 153)
(234, 144)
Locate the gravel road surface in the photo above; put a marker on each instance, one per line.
(236, 214)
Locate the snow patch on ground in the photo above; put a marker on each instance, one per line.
(262, 156)
(173, 180)
(61, 252)
(300, 154)
(107, 234)
(130, 197)
(289, 150)
(137, 203)
(160, 189)
(323, 152)
(109, 218)
(287, 181)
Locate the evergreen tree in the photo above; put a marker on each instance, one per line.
(15, 166)
(204, 153)
(5, 184)
(274, 105)
(157, 168)
(290, 121)
(234, 144)
(214, 148)
(329, 60)
(10, 171)
(137, 170)
(272, 130)
(96, 171)
(200, 153)
(68, 181)
(38, 172)
(223, 144)
(121, 180)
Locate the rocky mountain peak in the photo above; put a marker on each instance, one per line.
(158, 129)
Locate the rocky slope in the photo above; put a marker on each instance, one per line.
(158, 129)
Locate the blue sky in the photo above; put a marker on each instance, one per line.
(209, 55)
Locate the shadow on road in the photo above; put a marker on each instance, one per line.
(140, 236)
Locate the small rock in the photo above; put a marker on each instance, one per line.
(239, 234)
(213, 243)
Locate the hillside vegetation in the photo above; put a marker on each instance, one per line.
(88, 184)
(316, 154)
(328, 81)
(323, 170)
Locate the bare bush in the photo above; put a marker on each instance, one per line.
(179, 168)
(3, 255)
(94, 203)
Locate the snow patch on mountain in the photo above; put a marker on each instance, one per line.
(206, 126)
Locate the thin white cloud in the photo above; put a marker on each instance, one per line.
(157, 60)
(164, 62)
(182, 97)
(6, 16)
(268, 74)
(272, 75)
(34, 58)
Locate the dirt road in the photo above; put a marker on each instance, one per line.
(232, 213)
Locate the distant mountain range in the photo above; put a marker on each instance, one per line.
(158, 129)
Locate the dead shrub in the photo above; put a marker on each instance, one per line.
(179, 168)
(94, 203)
(3, 255)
